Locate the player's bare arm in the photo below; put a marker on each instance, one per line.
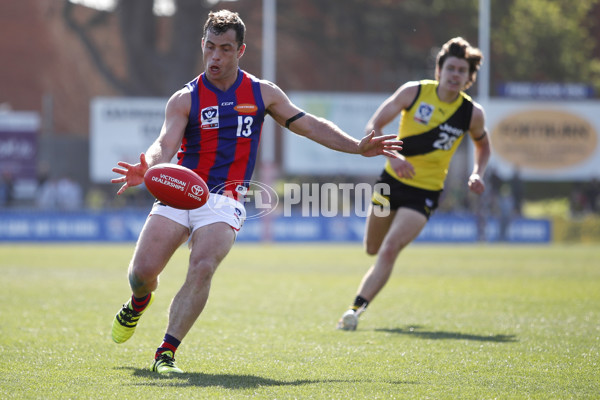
(392, 107)
(386, 113)
(164, 147)
(322, 131)
(482, 149)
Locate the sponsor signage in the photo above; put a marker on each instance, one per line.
(120, 130)
(349, 111)
(125, 226)
(544, 140)
(546, 90)
(18, 144)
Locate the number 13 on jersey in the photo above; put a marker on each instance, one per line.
(244, 127)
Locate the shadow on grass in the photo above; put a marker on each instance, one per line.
(418, 331)
(227, 381)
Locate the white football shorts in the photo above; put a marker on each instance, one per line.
(218, 208)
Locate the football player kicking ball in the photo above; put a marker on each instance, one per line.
(435, 115)
(215, 122)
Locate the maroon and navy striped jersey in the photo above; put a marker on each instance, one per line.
(223, 132)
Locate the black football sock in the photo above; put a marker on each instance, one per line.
(359, 302)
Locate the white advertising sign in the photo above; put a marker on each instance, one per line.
(545, 140)
(349, 111)
(121, 129)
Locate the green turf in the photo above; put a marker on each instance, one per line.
(454, 322)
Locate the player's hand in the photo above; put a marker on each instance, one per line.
(476, 184)
(372, 145)
(133, 174)
(403, 168)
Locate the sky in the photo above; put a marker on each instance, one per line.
(161, 7)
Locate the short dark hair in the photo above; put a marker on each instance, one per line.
(221, 21)
(460, 48)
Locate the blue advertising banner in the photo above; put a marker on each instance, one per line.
(118, 226)
(125, 226)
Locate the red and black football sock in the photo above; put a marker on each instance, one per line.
(169, 344)
(359, 302)
(139, 304)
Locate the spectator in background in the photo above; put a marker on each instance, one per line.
(577, 200)
(62, 194)
(592, 190)
(506, 204)
(6, 189)
(96, 199)
(495, 182)
(46, 198)
(516, 187)
(69, 195)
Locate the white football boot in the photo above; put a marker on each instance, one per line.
(349, 320)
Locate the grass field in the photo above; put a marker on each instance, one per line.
(454, 322)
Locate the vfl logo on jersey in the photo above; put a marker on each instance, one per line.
(209, 118)
(424, 113)
(241, 189)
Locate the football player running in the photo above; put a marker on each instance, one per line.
(435, 115)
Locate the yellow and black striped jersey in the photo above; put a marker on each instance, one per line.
(432, 131)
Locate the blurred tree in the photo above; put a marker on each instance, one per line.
(368, 45)
(345, 45)
(158, 53)
(544, 41)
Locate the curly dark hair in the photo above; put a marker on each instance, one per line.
(221, 21)
(460, 48)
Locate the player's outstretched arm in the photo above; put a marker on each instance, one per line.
(323, 131)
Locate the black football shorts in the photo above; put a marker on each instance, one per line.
(389, 192)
